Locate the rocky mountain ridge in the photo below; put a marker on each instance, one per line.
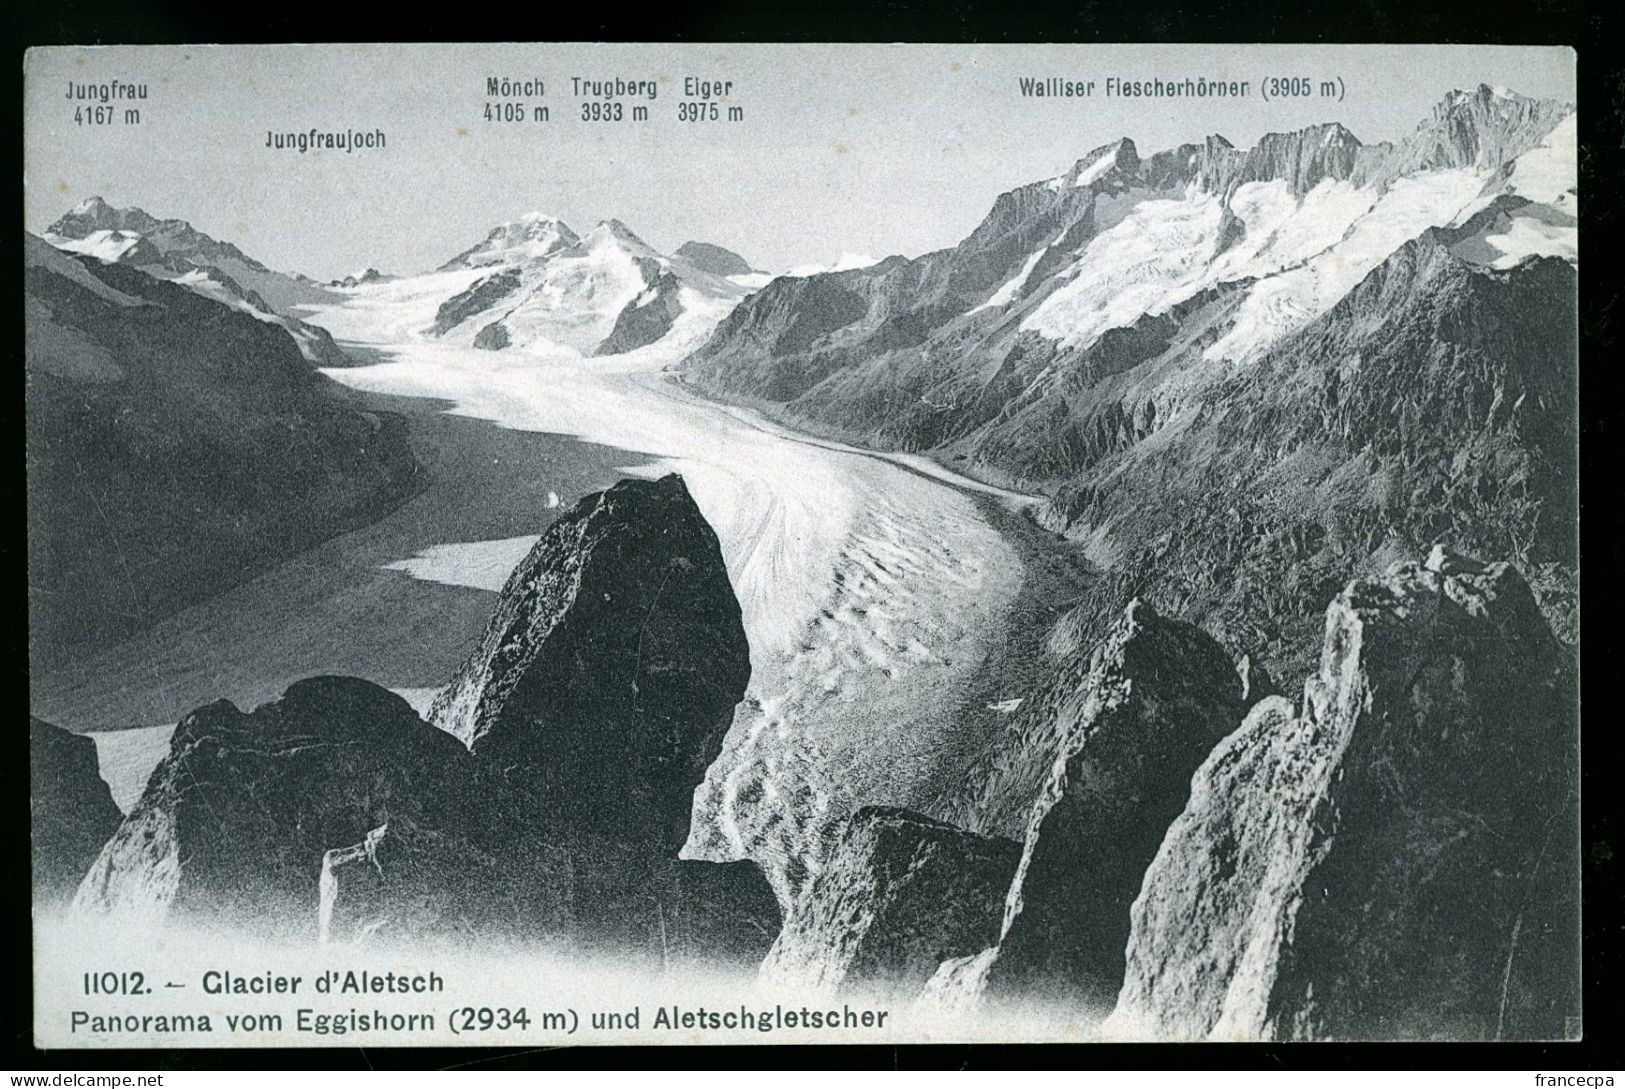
(1396, 859)
(172, 249)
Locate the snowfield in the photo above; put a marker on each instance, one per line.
(106, 246)
(1302, 255)
(871, 587)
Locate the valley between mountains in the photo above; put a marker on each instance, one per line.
(1153, 616)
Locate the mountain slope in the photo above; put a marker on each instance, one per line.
(176, 446)
(1435, 403)
(1073, 343)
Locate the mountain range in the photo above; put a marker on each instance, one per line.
(172, 249)
(1318, 351)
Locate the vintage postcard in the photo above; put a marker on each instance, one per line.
(546, 544)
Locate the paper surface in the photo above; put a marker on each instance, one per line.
(546, 544)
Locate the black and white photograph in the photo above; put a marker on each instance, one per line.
(552, 545)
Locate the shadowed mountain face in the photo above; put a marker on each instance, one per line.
(714, 259)
(176, 446)
(1436, 402)
(72, 809)
(615, 657)
(172, 249)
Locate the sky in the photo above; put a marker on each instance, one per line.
(842, 149)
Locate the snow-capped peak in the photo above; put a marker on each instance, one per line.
(534, 236)
(612, 232)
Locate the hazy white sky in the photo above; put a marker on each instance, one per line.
(842, 149)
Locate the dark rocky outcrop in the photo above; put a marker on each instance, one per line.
(237, 818)
(648, 317)
(477, 298)
(493, 337)
(361, 279)
(1119, 734)
(595, 701)
(899, 894)
(609, 673)
(407, 882)
(1397, 858)
(71, 808)
(636, 901)
(719, 914)
(176, 447)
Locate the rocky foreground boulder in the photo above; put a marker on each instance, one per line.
(72, 809)
(195, 435)
(403, 880)
(237, 818)
(1394, 859)
(608, 675)
(593, 706)
(1134, 719)
(899, 893)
